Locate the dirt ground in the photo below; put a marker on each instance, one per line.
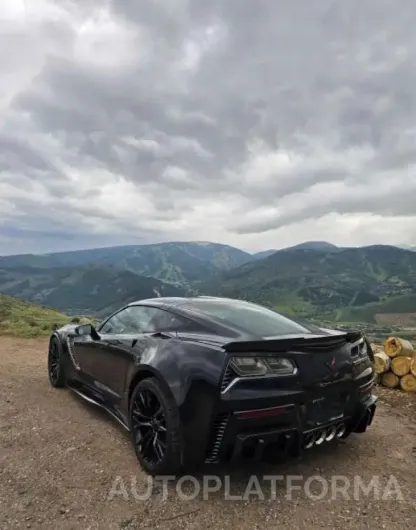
(60, 459)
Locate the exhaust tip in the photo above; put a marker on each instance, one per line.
(340, 431)
(321, 438)
(309, 441)
(331, 433)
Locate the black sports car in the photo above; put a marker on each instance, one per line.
(204, 379)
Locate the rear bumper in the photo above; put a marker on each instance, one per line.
(290, 428)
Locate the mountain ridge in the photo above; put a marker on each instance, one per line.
(330, 284)
(83, 289)
(173, 262)
(313, 278)
(312, 244)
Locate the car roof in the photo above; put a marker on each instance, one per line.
(176, 305)
(183, 306)
(172, 301)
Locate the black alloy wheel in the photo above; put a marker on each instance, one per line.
(55, 366)
(155, 429)
(149, 426)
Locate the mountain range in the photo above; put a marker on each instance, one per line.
(314, 278)
(173, 262)
(342, 284)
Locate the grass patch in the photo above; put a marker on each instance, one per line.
(23, 319)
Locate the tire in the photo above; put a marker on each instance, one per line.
(171, 462)
(56, 372)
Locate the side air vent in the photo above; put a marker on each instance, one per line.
(216, 437)
(360, 350)
(70, 345)
(228, 378)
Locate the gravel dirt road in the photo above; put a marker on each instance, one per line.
(60, 459)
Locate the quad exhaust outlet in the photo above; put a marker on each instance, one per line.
(324, 435)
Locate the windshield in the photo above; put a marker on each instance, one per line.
(252, 318)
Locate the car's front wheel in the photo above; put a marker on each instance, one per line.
(155, 428)
(55, 364)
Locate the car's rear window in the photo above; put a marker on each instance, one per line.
(252, 318)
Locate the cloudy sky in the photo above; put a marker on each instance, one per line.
(257, 123)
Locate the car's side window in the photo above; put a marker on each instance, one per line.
(138, 318)
(165, 321)
(133, 319)
(144, 319)
(114, 324)
(108, 326)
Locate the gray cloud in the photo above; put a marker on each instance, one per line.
(154, 120)
(399, 203)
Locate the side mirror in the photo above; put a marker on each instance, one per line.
(86, 329)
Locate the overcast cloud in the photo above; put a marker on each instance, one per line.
(257, 123)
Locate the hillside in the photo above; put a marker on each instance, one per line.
(173, 262)
(408, 247)
(264, 253)
(307, 245)
(89, 289)
(28, 320)
(351, 283)
(314, 279)
(314, 245)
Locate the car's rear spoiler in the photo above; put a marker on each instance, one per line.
(298, 343)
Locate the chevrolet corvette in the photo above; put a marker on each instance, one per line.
(202, 380)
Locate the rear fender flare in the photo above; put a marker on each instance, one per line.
(144, 371)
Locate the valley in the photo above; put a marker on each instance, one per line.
(374, 285)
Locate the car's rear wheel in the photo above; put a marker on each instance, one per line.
(155, 427)
(55, 364)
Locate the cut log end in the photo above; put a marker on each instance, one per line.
(408, 383)
(395, 346)
(382, 362)
(390, 380)
(400, 365)
(413, 366)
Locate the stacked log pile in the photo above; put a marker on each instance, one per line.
(396, 365)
